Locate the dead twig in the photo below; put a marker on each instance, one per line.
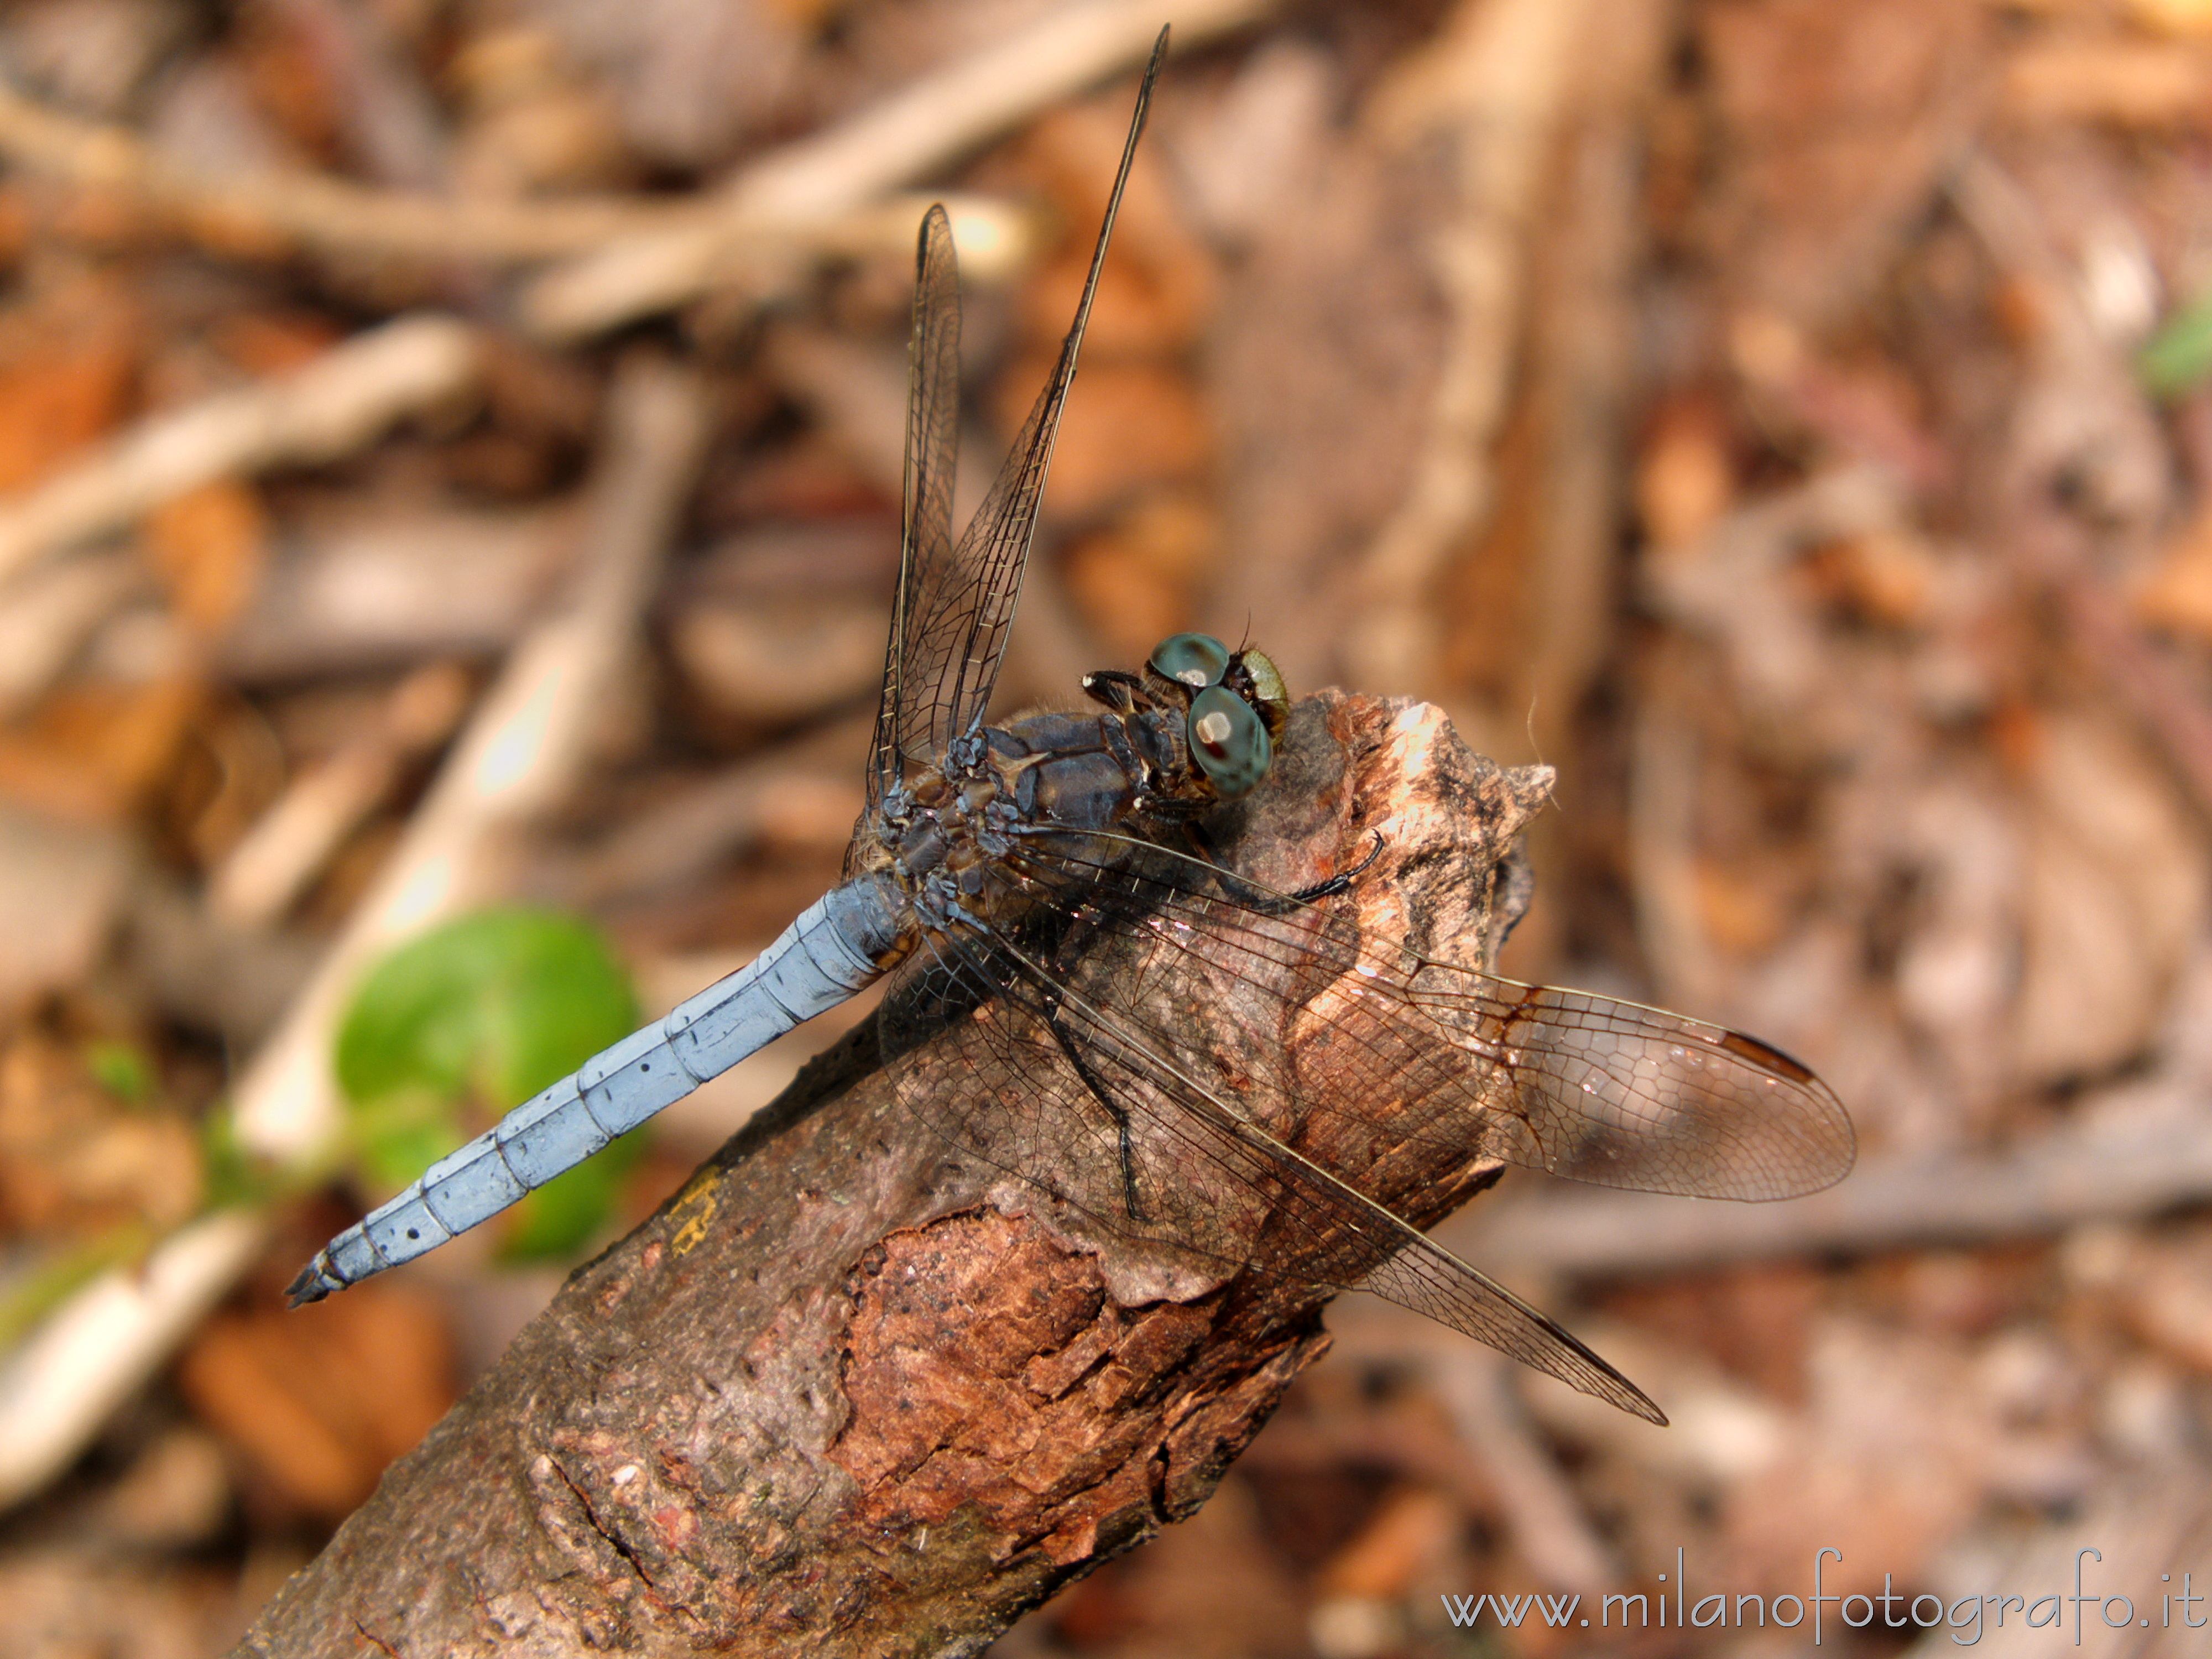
(2044, 1187)
(1549, 1528)
(906, 137)
(50, 613)
(1495, 86)
(522, 752)
(941, 1391)
(330, 408)
(274, 861)
(310, 209)
(282, 208)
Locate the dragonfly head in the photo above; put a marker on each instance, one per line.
(1234, 704)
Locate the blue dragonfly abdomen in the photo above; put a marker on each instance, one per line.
(833, 949)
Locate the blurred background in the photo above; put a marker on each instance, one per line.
(451, 457)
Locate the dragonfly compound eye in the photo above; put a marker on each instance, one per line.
(1197, 660)
(1228, 741)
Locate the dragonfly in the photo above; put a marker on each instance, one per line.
(994, 868)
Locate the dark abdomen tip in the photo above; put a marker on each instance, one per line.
(313, 1284)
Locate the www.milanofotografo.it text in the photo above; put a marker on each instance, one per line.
(1676, 1605)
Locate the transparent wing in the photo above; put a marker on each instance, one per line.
(949, 621)
(932, 441)
(1568, 1082)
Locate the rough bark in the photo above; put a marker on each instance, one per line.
(848, 1390)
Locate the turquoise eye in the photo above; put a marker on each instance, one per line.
(1195, 660)
(1228, 741)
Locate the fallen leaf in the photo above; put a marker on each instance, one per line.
(1404, 1538)
(1133, 423)
(210, 545)
(318, 1403)
(2177, 594)
(1684, 475)
(67, 361)
(2115, 895)
(91, 752)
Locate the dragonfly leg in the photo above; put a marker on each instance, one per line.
(1340, 882)
(1104, 1096)
(1266, 901)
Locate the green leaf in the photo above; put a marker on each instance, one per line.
(495, 1006)
(560, 1217)
(2179, 355)
(467, 1022)
(122, 1070)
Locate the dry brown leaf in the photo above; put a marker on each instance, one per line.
(211, 546)
(1138, 581)
(92, 752)
(1887, 575)
(1157, 292)
(2176, 595)
(1685, 476)
(2184, 17)
(1404, 1538)
(267, 343)
(318, 1403)
(1131, 424)
(67, 365)
(1744, 909)
(2115, 897)
(74, 1158)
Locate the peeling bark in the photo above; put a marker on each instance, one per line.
(846, 1388)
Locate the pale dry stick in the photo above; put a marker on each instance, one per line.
(521, 752)
(48, 616)
(2058, 1181)
(1549, 1529)
(93, 1353)
(332, 407)
(288, 207)
(313, 209)
(1495, 84)
(1584, 354)
(1582, 372)
(289, 844)
(908, 135)
(1665, 759)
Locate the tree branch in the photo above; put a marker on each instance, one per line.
(849, 1387)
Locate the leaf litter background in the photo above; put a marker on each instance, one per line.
(1786, 419)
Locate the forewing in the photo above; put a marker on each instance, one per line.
(954, 615)
(912, 660)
